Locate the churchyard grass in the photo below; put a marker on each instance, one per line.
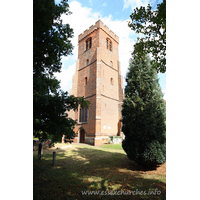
(112, 146)
(84, 168)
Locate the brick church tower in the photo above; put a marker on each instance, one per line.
(98, 78)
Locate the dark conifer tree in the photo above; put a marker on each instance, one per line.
(144, 114)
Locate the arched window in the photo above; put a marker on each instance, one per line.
(111, 81)
(88, 43)
(109, 44)
(87, 62)
(111, 63)
(85, 80)
(83, 114)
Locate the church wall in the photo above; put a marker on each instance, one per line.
(109, 116)
(98, 80)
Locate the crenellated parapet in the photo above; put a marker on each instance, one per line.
(101, 25)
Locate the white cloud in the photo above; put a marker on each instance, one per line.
(80, 20)
(165, 94)
(135, 3)
(66, 76)
(105, 4)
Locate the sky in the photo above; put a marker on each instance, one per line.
(115, 15)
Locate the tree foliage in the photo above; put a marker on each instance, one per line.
(143, 114)
(51, 41)
(152, 25)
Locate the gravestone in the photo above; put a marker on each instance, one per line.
(40, 151)
(54, 158)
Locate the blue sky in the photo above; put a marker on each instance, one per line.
(114, 14)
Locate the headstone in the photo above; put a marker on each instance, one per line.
(54, 158)
(40, 151)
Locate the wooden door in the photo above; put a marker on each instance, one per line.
(82, 136)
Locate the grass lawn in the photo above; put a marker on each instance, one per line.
(112, 146)
(86, 168)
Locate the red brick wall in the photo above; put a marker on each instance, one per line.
(105, 98)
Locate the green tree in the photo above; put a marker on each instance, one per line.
(144, 115)
(51, 41)
(152, 25)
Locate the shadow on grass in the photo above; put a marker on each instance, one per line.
(89, 169)
(131, 165)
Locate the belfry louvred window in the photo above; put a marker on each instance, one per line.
(88, 43)
(109, 44)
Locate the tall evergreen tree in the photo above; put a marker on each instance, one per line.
(51, 41)
(144, 114)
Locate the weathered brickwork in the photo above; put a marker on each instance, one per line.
(98, 78)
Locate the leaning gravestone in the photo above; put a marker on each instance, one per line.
(40, 151)
(54, 158)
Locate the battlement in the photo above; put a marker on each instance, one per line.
(98, 24)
